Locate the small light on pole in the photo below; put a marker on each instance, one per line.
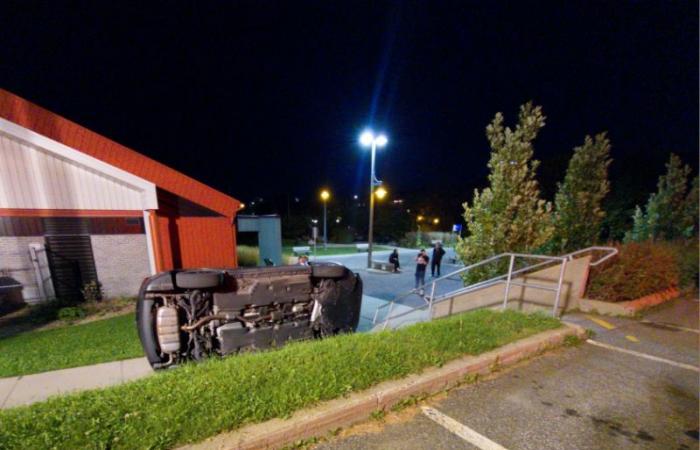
(369, 139)
(325, 195)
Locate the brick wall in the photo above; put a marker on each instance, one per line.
(15, 262)
(121, 261)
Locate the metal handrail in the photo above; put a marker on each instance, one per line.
(507, 278)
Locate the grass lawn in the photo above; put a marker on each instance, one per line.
(196, 401)
(70, 346)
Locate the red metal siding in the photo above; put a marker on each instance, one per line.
(190, 242)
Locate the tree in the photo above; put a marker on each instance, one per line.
(578, 212)
(670, 212)
(509, 215)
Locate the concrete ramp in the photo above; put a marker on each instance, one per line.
(523, 296)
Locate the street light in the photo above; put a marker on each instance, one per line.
(325, 195)
(436, 221)
(369, 139)
(380, 193)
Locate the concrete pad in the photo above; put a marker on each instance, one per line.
(132, 369)
(37, 387)
(7, 385)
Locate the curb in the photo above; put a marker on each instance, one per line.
(357, 407)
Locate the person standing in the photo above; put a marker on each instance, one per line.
(421, 264)
(438, 253)
(394, 259)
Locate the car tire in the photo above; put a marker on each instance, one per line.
(198, 279)
(332, 271)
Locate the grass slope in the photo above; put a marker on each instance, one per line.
(70, 346)
(200, 400)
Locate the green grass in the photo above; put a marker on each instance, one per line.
(195, 401)
(70, 346)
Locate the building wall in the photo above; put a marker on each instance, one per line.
(15, 262)
(33, 178)
(121, 261)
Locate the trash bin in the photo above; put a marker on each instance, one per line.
(10, 295)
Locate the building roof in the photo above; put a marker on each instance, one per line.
(28, 115)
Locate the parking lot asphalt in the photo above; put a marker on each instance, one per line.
(584, 397)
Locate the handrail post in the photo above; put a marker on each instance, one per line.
(510, 275)
(555, 311)
(388, 316)
(430, 304)
(376, 313)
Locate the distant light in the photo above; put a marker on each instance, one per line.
(398, 201)
(381, 140)
(380, 193)
(420, 218)
(252, 203)
(436, 221)
(337, 220)
(366, 138)
(354, 197)
(408, 210)
(241, 206)
(296, 199)
(314, 220)
(325, 195)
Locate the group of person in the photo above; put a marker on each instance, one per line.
(422, 260)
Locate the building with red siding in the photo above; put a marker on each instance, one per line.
(77, 207)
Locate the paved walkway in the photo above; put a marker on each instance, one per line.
(27, 389)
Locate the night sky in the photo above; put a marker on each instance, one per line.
(266, 98)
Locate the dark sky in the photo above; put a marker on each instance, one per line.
(262, 97)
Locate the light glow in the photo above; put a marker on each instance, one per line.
(381, 193)
(366, 138)
(325, 195)
(381, 140)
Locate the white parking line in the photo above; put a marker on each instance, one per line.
(643, 355)
(460, 430)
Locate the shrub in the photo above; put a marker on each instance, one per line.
(247, 256)
(71, 313)
(639, 269)
(92, 291)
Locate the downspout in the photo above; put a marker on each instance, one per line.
(155, 254)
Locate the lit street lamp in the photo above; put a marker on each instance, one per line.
(368, 139)
(325, 195)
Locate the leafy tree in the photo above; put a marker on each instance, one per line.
(670, 212)
(509, 215)
(578, 212)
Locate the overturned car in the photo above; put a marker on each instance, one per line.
(191, 314)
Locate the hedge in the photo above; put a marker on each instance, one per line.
(196, 401)
(643, 268)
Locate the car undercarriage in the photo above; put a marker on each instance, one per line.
(186, 315)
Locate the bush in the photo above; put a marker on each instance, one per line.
(247, 256)
(195, 401)
(92, 291)
(639, 269)
(686, 253)
(71, 313)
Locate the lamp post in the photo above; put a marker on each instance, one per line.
(325, 195)
(419, 219)
(369, 139)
